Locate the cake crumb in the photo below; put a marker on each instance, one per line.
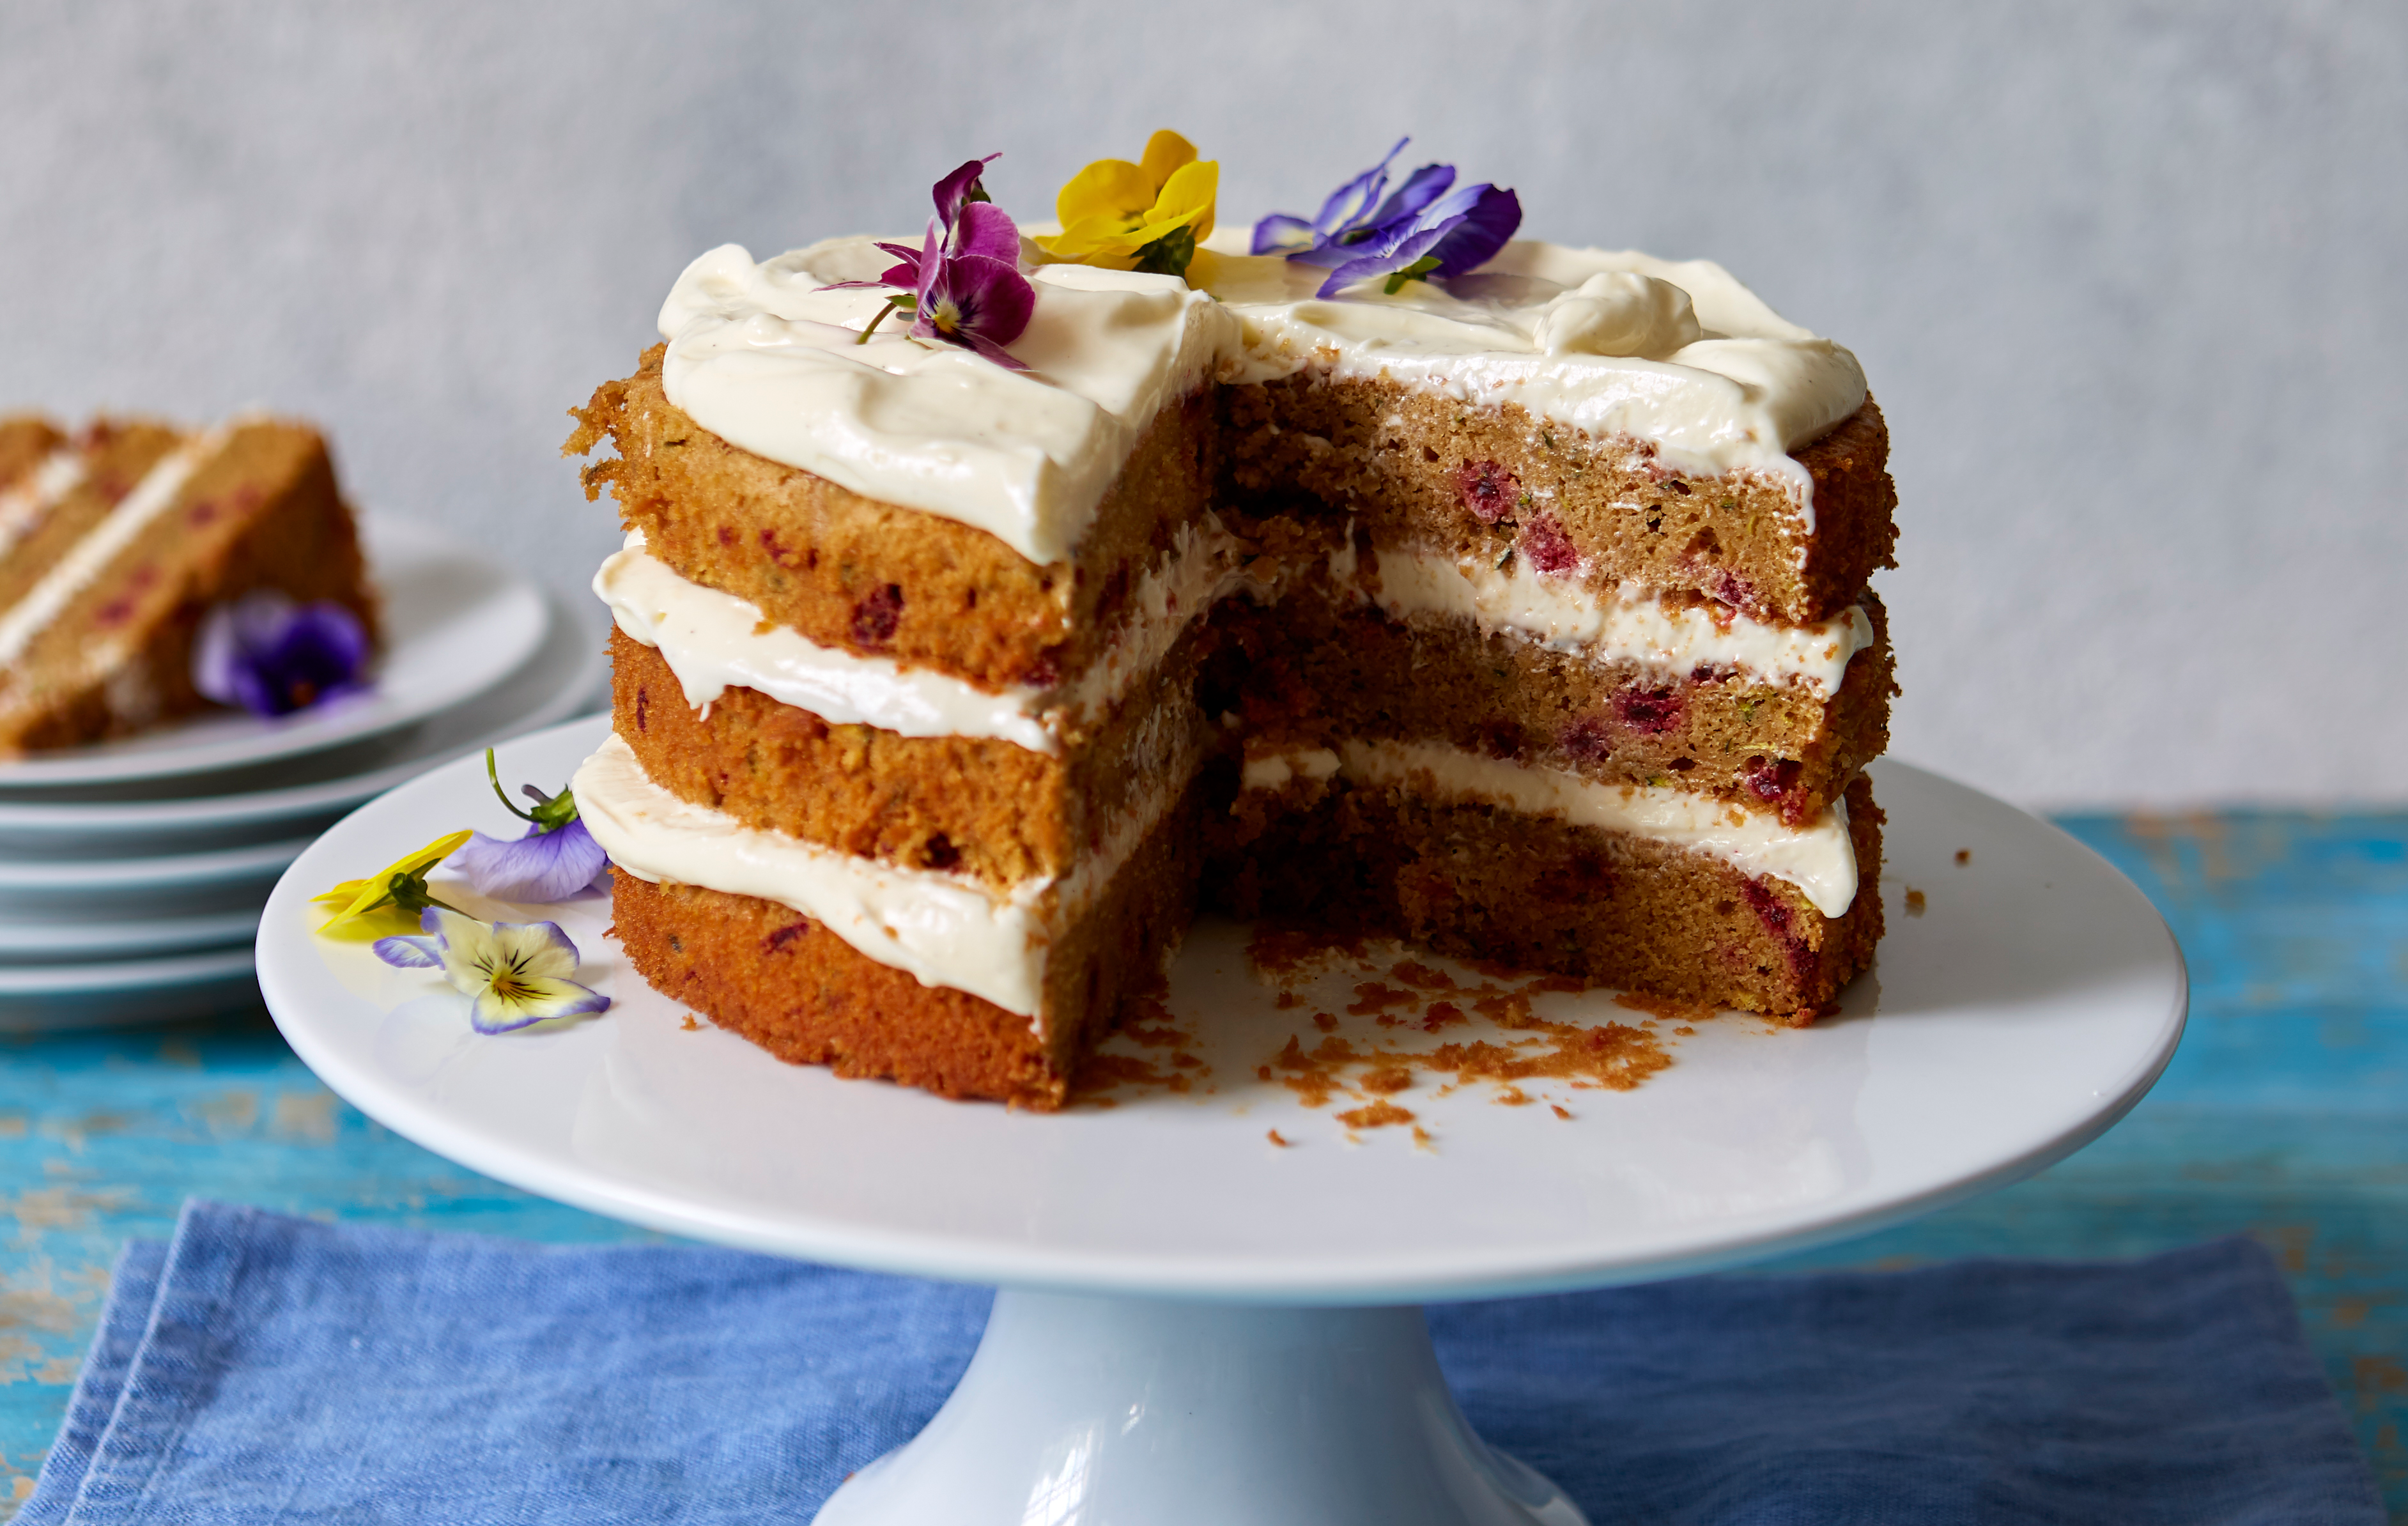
(1422, 1139)
(1388, 1080)
(1276, 1138)
(1413, 972)
(1375, 996)
(690, 1025)
(1914, 901)
(1964, 856)
(1559, 1111)
(1685, 1031)
(1327, 1022)
(1379, 1115)
(1514, 1096)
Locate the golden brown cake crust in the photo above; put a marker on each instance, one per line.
(1417, 468)
(801, 993)
(873, 579)
(976, 805)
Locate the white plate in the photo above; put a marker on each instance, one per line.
(122, 890)
(59, 999)
(31, 945)
(456, 621)
(565, 676)
(2030, 1005)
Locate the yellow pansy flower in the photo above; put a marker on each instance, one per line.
(392, 898)
(1146, 216)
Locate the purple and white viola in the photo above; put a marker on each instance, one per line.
(514, 974)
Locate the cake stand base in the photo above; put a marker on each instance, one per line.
(1103, 1411)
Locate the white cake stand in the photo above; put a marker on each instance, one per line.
(1197, 1324)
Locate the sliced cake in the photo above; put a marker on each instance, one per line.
(1524, 617)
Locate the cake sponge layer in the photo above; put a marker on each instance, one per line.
(1477, 882)
(1485, 482)
(790, 985)
(870, 578)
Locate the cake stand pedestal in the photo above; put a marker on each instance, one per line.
(1183, 1414)
(1208, 1312)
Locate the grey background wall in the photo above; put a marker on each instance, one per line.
(2130, 279)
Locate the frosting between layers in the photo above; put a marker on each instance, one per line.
(74, 572)
(715, 641)
(943, 929)
(1819, 858)
(765, 356)
(21, 508)
(1630, 624)
(1676, 352)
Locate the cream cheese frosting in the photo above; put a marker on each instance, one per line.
(1676, 352)
(766, 355)
(943, 929)
(1629, 623)
(715, 641)
(1819, 858)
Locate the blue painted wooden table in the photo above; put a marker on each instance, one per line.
(2284, 1117)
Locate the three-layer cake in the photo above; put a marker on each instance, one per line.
(1524, 617)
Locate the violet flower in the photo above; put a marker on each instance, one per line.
(272, 657)
(1426, 228)
(963, 285)
(553, 861)
(514, 974)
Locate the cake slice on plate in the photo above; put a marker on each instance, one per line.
(115, 547)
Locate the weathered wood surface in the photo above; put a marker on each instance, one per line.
(2285, 1116)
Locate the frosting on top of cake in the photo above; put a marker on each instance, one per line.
(769, 356)
(1676, 352)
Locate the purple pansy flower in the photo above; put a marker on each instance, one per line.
(272, 657)
(543, 865)
(963, 285)
(514, 974)
(1426, 228)
(555, 859)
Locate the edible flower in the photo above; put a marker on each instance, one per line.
(1147, 216)
(396, 891)
(963, 285)
(1426, 228)
(272, 657)
(555, 858)
(514, 974)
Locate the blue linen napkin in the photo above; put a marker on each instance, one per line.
(267, 1369)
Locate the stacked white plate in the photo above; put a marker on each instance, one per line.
(132, 873)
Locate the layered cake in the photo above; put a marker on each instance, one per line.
(1522, 613)
(117, 544)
